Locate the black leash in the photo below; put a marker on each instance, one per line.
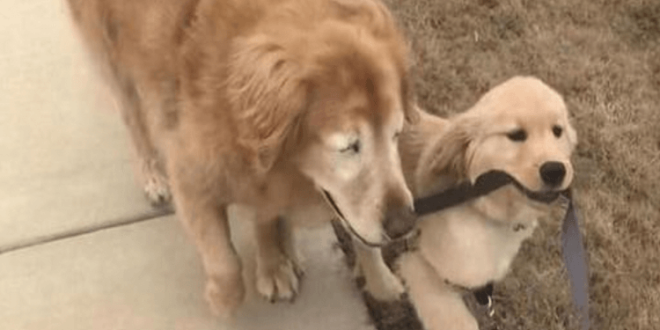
(485, 184)
(572, 246)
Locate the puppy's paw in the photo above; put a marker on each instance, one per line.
(224, 295)
(279, 281)
(156, 188)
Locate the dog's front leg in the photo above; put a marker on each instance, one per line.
(380, 282)
(278, 271)
(438, 305)
(206, 223)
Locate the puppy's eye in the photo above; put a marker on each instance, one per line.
(557, 130)
(352, 148)
(518, 135)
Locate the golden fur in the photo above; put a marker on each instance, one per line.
(474, 243)
(261, 103)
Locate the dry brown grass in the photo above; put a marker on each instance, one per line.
(604, 57)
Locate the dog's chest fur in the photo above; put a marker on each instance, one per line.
(469, 250)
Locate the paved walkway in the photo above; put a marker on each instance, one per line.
(79, 246)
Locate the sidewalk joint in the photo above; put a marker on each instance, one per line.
(45, 239)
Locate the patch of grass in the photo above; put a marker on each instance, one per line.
(640, 23)
(604, 57)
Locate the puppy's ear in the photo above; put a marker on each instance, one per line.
(268, 92)
(446, 158)
(450, 157)
(571, 134)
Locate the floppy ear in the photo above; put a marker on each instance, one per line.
(447, 156)
(571, 134)
(267, 91)
(450, 156)
(410, 107)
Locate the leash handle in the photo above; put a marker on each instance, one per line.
(576, 262)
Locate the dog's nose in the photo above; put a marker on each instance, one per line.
(399, 221)
(553, 173)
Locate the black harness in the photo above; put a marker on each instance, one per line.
(572, 246)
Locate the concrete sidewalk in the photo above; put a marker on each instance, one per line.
(80, 248)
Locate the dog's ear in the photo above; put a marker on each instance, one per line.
(447, 156)
(450, 157)
(268, 92)
(410, 107)
(571, 134)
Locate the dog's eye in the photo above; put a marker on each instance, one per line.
(518, 135)
(352, 148)
(557, 130)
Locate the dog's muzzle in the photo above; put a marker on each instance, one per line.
(399, 221)
(546, 197)
(347, 225)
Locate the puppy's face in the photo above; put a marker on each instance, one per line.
(527, 134)
(520, 127)
(350, 152)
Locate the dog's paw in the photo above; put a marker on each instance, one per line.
(224, 296)
(279, 281)
(156, 188)
(383, 285)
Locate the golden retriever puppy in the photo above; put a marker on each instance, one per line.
(287, 107)
(522, 127)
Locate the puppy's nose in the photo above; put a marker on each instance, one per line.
(553, 173)
(399, 221)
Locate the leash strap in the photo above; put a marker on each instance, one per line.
(485, 184)
(576, 262)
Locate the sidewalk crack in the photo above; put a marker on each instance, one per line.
(153, 214)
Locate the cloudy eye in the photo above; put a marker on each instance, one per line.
(518, 135)
(353, 148)
(557, 130)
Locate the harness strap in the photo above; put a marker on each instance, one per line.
(484, 294)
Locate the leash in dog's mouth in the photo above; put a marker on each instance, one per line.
(483, 185)
(545, 197)
(340, 215)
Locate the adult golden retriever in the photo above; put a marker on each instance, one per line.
(277, 105)
(522, 127)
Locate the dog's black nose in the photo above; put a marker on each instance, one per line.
(399, 221)
(553, 173)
